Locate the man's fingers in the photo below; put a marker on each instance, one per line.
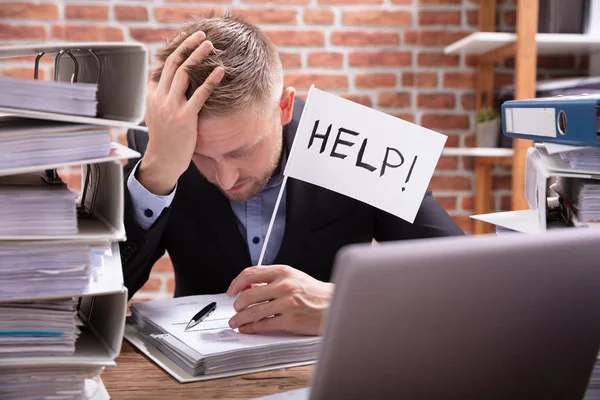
(254, 295)
(253, 275)
(256, 313)
(201, 94)
(275, 323)
(182, 79)
(174, 61)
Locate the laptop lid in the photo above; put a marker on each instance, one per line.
(473, 317)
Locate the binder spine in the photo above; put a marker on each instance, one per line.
(573, 122)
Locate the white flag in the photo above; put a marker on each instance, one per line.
(364, 154)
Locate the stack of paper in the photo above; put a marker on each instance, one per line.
(31, 206)
(50, 382)
(587, 199)
(45, 269)
(49, 96)
(26, 142)
(584, 158)
(39, 328)
(211, 347)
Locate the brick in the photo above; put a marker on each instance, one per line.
(41, 11)
(448, 203)
(445, 182)
(436, 100)
(22, 73)
(394, 99)
(163, 264)
(402, 2)
(509, 18)
(318, 17)
(502, 79)
(151, 35)
(375, 79)
(439, 2)
(30, 32)
(296, 37)
(405, 116)
(303, 80)
(92, 33)
(96, 13)
(429, 59)
(445, 121)
(463, 80)
(364, 38)
(384, 58)
(170, 285)
(331, 2)
(468, 163)
(363, 99)
(464, 222)
(131, 13)
(73, 180)
(290, 60)
(471, 60)
(453, 140)
(268, 15)
(433, 37)
(153, 284)
(439, 18)
(473, 18)
(468, 203)
(420, 79)
(325, 59)
(179, 14)
(447, 163)
(506, 203)
(470, 140)
(501, 182)
(377, 17)
(467, 101)
(286, 2)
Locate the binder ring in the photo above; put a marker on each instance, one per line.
(561, 122)
(37, 64)
(75, 63)
(97, 64)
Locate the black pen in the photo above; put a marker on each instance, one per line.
(202, 314)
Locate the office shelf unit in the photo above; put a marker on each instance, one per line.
(524, 45)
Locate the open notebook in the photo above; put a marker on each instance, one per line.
(211, 349)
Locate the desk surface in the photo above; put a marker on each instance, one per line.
(136, 377)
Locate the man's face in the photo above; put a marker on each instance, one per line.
(240, 152)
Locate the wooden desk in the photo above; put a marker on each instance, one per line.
(136, 377)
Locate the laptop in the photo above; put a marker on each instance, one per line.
(472, 317)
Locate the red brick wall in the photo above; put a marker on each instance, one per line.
(386, 54)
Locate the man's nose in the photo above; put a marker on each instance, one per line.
(226, 175)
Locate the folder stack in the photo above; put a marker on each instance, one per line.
(62, 299)
(562, 177)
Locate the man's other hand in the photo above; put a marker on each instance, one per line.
(279, 297)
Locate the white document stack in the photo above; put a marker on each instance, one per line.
(51, 96)
(211, 347)
(62, 300)
(27, 142)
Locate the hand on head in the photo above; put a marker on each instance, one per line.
(171, 118)
(279, 298)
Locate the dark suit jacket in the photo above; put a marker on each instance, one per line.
(202, 238)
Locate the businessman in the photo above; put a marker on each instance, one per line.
(220, 127)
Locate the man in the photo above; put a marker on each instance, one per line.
(220, 126)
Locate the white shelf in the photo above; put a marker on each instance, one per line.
(547, 43)
(477, 152)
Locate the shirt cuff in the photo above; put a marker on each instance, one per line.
(147, 206)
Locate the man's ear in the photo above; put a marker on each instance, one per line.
(286, 104)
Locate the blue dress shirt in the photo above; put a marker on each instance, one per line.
(253, 216)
